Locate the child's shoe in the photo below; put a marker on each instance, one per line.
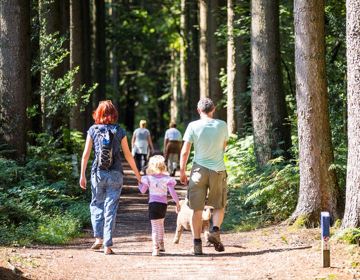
(161, 246)
(155, 251)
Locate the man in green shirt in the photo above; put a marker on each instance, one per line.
(207, 182)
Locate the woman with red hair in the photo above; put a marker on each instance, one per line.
(106, 173)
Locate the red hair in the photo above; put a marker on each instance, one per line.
(105, 113)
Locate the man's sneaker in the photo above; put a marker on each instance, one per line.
(161, 246)
(156, 251)
(214, 238)
(198, 248)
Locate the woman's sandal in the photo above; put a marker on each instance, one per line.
(96, 246)
(109, 251)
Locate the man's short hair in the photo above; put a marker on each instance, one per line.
(172, 124)
(205, 105)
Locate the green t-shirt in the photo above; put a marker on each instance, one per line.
(208, 137)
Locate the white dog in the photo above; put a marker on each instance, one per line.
(184, 219)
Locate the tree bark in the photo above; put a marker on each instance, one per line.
(318, 183)
(204, 49)
(352, 206)
(182, 57)
(115, 78)
(76, 45)
(231, 69)
(216, 58)
(269, 114)
(192, 58)
(242, 75)
(174, 102)
(86, 57)
(15, 80)
(100, 51)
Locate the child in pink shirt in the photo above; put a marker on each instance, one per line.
(158, 183)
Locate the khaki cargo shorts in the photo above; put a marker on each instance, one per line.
(207, 187)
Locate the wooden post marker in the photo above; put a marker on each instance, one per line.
(325, 238)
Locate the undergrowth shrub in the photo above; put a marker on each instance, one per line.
(258, 196)
(40, 201)
(349, 235)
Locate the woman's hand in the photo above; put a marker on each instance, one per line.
(138, 177)
(82, 182)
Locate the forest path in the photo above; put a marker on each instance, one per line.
(271, 253)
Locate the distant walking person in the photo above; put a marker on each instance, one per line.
(172, 147)
(140, 143)
(158, 185)
(106, 172)
(208, 174)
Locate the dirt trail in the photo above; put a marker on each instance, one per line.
(271, 253)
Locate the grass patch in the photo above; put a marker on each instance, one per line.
(57, 229)
(349, 235)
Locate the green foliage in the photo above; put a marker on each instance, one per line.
(56, 88)
(144, 38)
(335, 19)
(329, 277)
(258, 196)
(50, 156)
(302, 221)
(57, 229)
(40, 201)
(349, 235)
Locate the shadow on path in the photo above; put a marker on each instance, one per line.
(8, 274)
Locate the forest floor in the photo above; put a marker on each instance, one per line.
(275, 252)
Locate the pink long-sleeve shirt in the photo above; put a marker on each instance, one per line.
(158, 186)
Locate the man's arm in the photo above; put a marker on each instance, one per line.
(184, 156)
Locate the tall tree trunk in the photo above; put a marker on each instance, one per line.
(183, 77)
(204, 49)
(15, 78)
(174, 102)
(76, 46)
(231, 68)
(242, 73)
(129, 116)
(352, 205)
(86, 56)
(100, 51)
(269, 114)
(318, 183)
(114, 59)
(192, 58)
(216, 60)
